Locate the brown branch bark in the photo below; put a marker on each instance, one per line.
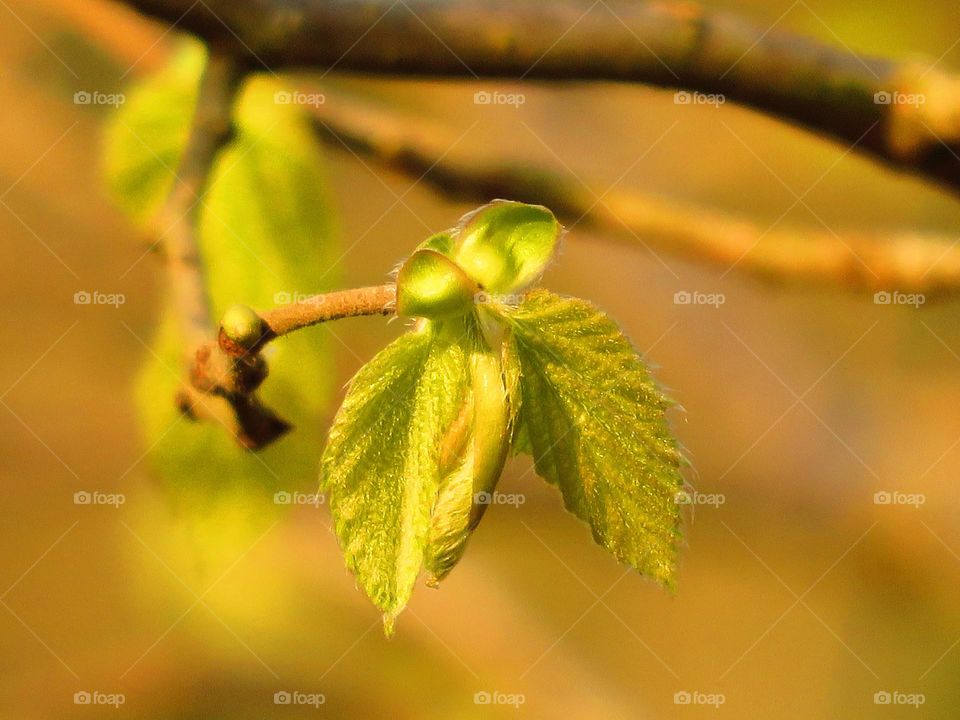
(179, 216)
(908, 262)
(224, 395)
(232, 368)
(823, 87)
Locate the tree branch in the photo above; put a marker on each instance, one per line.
(822, 87)
(180, 214)
(226, 396)
(908, 262)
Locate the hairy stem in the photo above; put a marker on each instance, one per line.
(376, 300)
(313, 310)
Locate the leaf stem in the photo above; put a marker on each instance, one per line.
(312, 310)
(375, 300)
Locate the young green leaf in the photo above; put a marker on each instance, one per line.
(450, 520)
(594, 420)
(505, 246)
(441, 242)
(431, 285)
(465, 490)
(381, 466)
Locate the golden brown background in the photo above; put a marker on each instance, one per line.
(798, 598)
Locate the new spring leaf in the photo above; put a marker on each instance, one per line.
(594, 421)
(381, 466)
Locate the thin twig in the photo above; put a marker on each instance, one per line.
(316, 309)
(179, 217)
(377, 300)
(230, 399)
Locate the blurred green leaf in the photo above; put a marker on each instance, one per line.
(145, 136)
(381, 466)
(265, 237)
(594, 419)
(266, 227)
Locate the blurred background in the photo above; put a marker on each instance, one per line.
(800, 595)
